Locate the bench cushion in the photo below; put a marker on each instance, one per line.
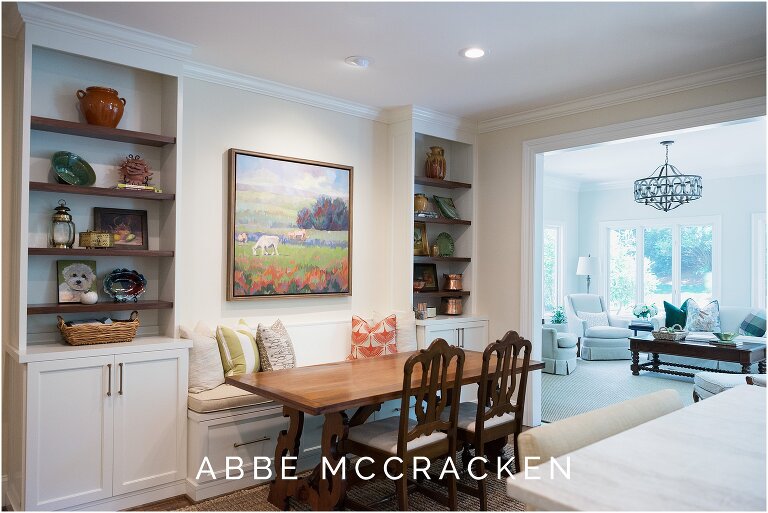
(223, 397)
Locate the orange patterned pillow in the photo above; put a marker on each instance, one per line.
(370, 342)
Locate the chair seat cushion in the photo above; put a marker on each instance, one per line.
(566, 341)
(716, 382)
(607, 332)
(382, 435)
(223, 397)
(468, 417)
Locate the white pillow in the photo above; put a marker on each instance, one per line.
(705, 318)
(594, 318)
(205, 369)
(406, 329)
(200, 328)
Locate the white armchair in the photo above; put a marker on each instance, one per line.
(558, 350)
(608, 342)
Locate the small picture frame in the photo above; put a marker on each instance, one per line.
(128, 227)
(446, 207)
(75, 277)
(420, 243)
(428, 274)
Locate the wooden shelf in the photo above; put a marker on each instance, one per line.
(60, 126)
(445, 184)
(78, 252)
(441, 220)
(441, 293)
(429, 259)
(99, 191)
(105, 306)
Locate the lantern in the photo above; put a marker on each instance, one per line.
(62, 228)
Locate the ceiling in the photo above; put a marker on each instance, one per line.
(714, 151)
(539, 54)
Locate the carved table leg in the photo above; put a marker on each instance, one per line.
(746, 368)
(635, 363)
(761, 366)
(655, 361)
(287, 445)
(327, 494)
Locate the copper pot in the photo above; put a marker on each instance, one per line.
(451, 305)
(452, 282)
(101, 106)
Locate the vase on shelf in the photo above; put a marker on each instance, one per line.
(435, 165)
(101, 106)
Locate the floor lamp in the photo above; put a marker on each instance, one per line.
(588, 266)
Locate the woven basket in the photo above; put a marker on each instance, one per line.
(83, 334)
(676, 336)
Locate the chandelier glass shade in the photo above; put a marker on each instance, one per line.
(667, 188)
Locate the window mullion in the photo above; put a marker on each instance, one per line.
(639, 267)
(676, 263)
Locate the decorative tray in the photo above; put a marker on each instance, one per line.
(123, 285)
(445, 244)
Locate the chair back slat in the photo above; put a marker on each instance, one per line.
(502, 390)
(440, 367)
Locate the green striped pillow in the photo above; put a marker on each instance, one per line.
(238, 349)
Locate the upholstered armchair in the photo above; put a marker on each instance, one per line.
(600, 340)
(558, 350)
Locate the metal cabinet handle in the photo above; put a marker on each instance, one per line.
(120, 390)
(109, 380)
(262, 439)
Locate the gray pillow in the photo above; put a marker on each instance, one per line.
(275, 347)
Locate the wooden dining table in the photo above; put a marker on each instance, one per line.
(329, 390)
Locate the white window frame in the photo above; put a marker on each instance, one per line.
(758, 260)
(559, 280)
(675, 224)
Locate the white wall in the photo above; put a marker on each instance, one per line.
(217, 118)
(561, 207)
(734, 199)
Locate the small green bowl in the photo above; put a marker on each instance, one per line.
(725, 337)
(71, 169)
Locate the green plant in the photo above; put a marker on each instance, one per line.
(558, 316)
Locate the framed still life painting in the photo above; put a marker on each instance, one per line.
(290, 227)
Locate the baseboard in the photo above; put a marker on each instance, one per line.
(200, 492)
(139, 498)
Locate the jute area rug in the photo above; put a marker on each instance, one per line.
(255, 498)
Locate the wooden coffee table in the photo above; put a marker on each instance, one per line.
(745, 355)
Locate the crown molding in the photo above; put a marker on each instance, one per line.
(54, 18)
(681, 83)
(417, 113)
(282, 91)
(12, 21)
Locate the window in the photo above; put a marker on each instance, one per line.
(759, 261)
(552, 267)
(650, 262)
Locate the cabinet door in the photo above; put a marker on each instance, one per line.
(69, 432)
(448, 333)
(150, 419)
(473, 336)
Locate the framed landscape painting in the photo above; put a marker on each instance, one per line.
(290, 227)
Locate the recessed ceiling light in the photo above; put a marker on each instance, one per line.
(472, 53)
(358, 61)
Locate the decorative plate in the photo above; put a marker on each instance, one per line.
(445, 244)
(123, 285)
(446, 206)
(71, 169)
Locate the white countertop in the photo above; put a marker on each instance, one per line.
(58, 351)
(707, 456)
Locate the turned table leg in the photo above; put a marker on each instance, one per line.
(761, 366)
(287, 445)
(635, 363)
(655, 361)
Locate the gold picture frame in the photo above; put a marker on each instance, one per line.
(420, 243)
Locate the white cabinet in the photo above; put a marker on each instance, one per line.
(69, 432)
(102, 426)
(467, 333)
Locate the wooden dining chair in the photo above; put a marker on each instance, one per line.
(431, 377)
(498, 412)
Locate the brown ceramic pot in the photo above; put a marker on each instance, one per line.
(435, 165)
(101, 106)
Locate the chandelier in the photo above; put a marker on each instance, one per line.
(667, 188)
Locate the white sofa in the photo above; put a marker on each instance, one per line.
(598, 342)
(730, 320)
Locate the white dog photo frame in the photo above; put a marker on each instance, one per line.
(75, 277)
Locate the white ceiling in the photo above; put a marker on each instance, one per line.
(714, 151)
(539, 54)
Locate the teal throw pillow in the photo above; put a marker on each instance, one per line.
(753, 325)
(675, 315)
